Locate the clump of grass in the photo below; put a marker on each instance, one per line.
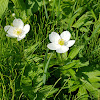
(91, 51)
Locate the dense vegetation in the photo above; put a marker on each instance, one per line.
(30, 71)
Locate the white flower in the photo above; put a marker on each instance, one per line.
(60, 43)
(18, 30)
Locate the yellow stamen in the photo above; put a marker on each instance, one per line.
(61, 42)
(17, 31)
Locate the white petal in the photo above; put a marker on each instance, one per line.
(70, 43)
(65, 35)
(54, 37)
(22, 37)
(53, 46)
(18, 23)
(62, 49)
(22, 34)
(6, 28)
(26, 28)
(10, 32)
(8, 35)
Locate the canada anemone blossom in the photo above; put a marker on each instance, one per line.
(60, 43)
(18, 30)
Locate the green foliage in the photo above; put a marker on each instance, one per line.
(74, 51)
(33, 6)
(3, 7)
(20, 8)
(46, 65)
(29, 72)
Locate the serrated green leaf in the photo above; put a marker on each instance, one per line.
(94, 73)
(82, 93)
(92, 90)
(93, 76)
(79, 64)
(74, 88)
(75, 51)
(69, 65)
(96, 85)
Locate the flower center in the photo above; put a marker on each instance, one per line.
(17, 31)
(61, 42)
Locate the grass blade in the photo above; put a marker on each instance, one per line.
(46, 67)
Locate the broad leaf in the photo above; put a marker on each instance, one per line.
(75, 51)
(3, 6)
(33, 6)
(20, 8)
